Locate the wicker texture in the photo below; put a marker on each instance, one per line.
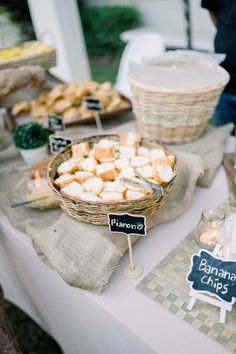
(96, 213)
(45, 60)
(174, 116)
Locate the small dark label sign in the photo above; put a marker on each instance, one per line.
(93, 104)
(58, 143)
(127, 224)
(55, 123)
(214, 276)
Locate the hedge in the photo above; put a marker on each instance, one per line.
(102, 27)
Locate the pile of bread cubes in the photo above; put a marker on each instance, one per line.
(67, 100)
(107, 171)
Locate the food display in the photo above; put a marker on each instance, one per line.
(111, 171)
(68, 101)
(27, 50)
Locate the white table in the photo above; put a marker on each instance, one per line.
(120, 320)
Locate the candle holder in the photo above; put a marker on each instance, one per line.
(210, 229)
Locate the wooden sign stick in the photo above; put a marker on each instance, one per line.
(133, 270)
(130, 253)
(98, 122)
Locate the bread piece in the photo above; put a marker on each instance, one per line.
(116, 186)
(114, 104)
(83, 176)
(84, 112)
(163, 174)
(93, 185)
(63, 180)
(43, 97)
(70, 90)
(146, 171)
(107, 171)
(91, 86)
(56, 93)
(21, 108)
(157, 154)
(61, 105)
(112, 197)
(103, 97)
(90, 197)
(130, 139)
(127, 152)
(121, 163)
(73, 189)
(106, 86)
(127, 172)
(139, 161)
(89, 165)
(168, 160)
(143, 151)
(104, 151)
(80, 150)
(39, 111)
(70, 113)
(116, 145)
(81, 92)
(69, 166)
(133, 195)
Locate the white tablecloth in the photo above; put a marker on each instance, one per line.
(120, 320)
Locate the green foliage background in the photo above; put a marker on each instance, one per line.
(102, 27)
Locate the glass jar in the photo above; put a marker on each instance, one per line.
(210, 229)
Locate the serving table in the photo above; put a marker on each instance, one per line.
(120, 320)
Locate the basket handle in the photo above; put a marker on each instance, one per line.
(48, 33)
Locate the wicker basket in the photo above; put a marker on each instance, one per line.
(96, 213)
(174, 116)
(45, 60)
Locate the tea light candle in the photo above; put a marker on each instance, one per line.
(37, 181)
(210, 229)
(208, 238)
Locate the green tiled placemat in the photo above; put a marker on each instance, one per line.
(167, 285)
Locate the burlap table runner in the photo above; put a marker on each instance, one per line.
(86, 255)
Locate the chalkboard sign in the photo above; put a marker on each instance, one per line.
(55, 123)
(213, 276)
(93, 104)
(58, 143)
(127, 224)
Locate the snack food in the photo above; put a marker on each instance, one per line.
(63, 180)
(67, 100)
(73, 189)
(80, 150)
(86, 176)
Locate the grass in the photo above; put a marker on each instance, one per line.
(32, 339)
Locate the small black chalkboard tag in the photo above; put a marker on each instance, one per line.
(93, 104)
(55, 123)
(127, 224)
(213, 276)
(58, 143)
